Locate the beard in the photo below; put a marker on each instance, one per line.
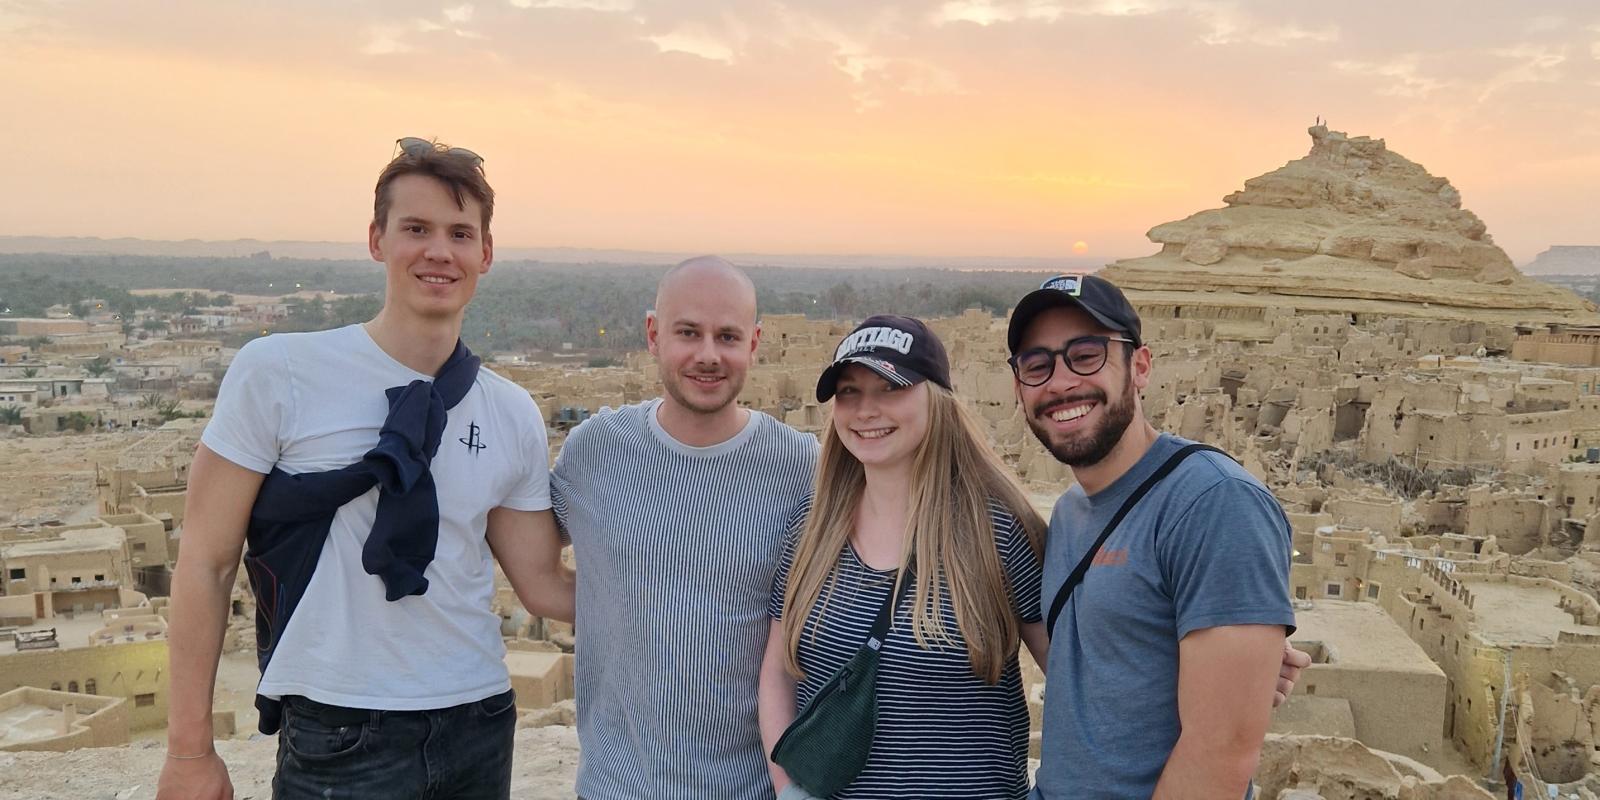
(1087, 448)
(673, 383)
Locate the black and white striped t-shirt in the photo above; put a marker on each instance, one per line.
(942, 732)
(676, 547)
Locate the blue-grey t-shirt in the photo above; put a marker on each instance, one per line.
(1208, 546)
(676, 547)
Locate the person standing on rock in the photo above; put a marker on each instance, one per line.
(376, 472)
(1166, 578)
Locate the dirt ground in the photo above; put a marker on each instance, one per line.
(53, 477)
(237, 676)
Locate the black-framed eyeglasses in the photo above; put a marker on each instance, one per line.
(1084, 355)
(413, 146)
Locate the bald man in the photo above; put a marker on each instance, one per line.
(676, 510)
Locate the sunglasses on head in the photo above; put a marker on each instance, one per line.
(413, 146)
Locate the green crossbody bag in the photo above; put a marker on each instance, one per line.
(826, 746)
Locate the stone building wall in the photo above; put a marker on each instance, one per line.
(146, 537)
(1440, 622)
(92, 721)
(136, 671)
(79, 566)
(1578, 350)
(1395, 710)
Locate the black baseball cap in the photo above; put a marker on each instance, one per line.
(1098, 297)
(899, 349)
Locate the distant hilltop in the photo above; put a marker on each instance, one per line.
(357, 251)
(1351, 228)
(188, 248)
(1566, 260)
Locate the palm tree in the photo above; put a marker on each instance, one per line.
(10, 415)
(98, 367)
(166, 407)
(30, 372)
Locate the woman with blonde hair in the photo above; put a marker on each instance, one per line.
(914, 525)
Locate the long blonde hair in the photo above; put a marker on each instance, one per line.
(950, 538)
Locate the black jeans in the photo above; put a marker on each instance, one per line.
(458, 753)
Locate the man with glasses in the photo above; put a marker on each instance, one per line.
(1164, 657)
(376, 473)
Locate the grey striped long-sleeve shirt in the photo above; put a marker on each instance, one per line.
(676, 547)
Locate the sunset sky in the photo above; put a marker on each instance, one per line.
(959, 128)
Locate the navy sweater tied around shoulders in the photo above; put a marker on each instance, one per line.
(293, 513)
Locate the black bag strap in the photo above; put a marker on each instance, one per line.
(1127, 505)
(880, 626)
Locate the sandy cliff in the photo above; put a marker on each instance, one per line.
(1350, 228)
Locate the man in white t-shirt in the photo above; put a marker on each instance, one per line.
(377, 473)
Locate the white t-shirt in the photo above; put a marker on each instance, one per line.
(311, 402)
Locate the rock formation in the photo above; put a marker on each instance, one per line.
(1567, 260)
(1329, 768)
(1350, 228)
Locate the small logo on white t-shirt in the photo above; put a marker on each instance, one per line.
(472, 440)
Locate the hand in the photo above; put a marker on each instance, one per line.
(195, 779)
(794, 792)
(1293, 661)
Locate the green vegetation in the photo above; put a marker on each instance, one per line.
(602, 308)
(317, 315)
(10, 415)
(167, 408)
(28, 293)
(31, 283)
(520, 305)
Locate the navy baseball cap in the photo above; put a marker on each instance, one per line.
(1098, 297)
(899, 349)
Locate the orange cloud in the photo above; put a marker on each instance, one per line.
(960, 127)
